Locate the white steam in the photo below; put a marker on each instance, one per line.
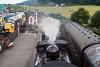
(50, 26)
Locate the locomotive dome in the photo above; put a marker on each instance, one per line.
(52, 48)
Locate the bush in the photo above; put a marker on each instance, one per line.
(95, 19)
(81, 16)
(97, 32)
(15, 8)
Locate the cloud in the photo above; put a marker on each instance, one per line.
(11, 1)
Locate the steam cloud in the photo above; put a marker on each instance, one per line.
(50, 26)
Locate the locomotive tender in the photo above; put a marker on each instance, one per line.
(83, 45)
(54, 55)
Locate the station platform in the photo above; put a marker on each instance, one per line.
(22, 53)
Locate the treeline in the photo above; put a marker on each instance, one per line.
(28, 2)
(82, 2)
(83, 17)
(14, 8)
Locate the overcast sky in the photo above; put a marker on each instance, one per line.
(11, 1)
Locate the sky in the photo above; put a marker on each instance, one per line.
(11, 1)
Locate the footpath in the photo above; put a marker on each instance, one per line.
(22, 53)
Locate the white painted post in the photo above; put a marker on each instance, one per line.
(35, 10)
(18, 28)
(36, 16)
(33, 21)
(2, 12)
(0, 47)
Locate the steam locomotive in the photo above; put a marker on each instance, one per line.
(54, 55)
(83, 45)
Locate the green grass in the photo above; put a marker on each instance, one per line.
(64, 11)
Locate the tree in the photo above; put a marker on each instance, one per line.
(81, 16)
(97, 2)
(95, 19)
(15, 8)
(86, 2)
(43, 1)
